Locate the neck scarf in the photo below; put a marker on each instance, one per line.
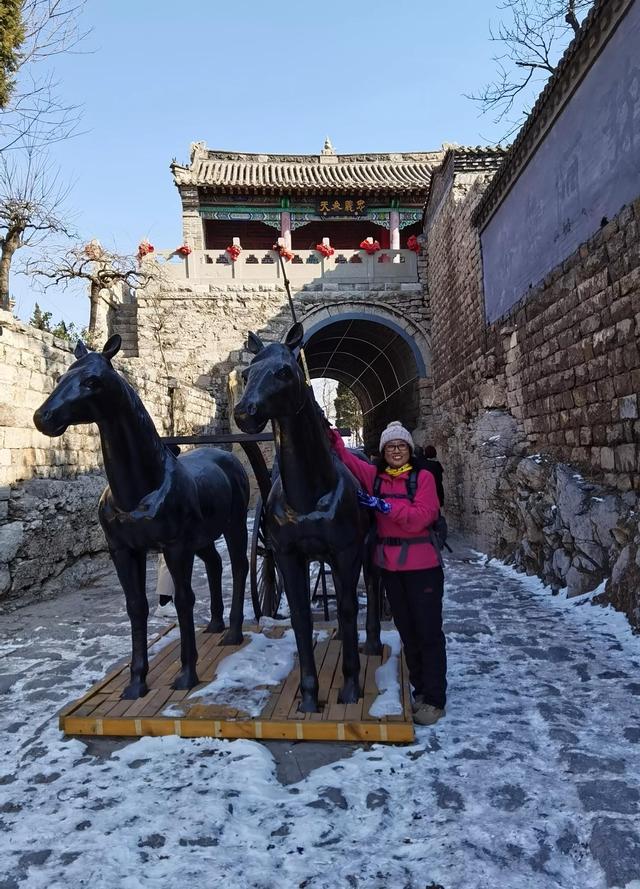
(399, 471)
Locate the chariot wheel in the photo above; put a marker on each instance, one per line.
(266, 585)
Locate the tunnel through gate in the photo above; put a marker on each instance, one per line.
(377, 360)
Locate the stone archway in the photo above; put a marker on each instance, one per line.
(381, 357)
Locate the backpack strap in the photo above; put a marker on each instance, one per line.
(412, 484)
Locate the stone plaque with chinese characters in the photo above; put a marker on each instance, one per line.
(338, 206)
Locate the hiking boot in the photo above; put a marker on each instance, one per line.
(167, 611)
(427, 714)
(417, 702)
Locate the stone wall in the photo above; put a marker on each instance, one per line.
(199, 331)
(30, 360)
(49, 488)
(558, 375)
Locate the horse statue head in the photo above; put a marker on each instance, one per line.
(275, 386)
(84, 392)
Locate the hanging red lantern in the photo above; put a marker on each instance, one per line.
(370, 246)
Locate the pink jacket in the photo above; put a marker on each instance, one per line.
(406, 519)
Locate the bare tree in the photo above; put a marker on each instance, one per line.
(33, 112)
(101, 268)
(532, 35)
(32, 207)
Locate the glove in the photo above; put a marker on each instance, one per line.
(371, 502)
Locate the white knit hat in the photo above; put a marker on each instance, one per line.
(395, 431)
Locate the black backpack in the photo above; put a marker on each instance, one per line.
(439, 530)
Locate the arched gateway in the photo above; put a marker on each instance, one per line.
(348, 226)
(376, 357)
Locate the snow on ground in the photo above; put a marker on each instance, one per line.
(530, 782)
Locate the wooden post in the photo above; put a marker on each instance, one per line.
(285, 228)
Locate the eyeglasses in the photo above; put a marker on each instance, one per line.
(396, 447)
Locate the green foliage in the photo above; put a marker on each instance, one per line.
(40, 320)
(69, 332)
(12, 34)
(348, 410)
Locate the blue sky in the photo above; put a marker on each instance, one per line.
(252, 76)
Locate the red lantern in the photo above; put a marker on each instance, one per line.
(144, 249)
(284, 252)
(414, 244)
(370, 247)
(234, 251)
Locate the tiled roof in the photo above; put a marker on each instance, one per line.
(227, 171)
(461, 159)
(468, 159)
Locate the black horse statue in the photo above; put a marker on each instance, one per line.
(156, 501)
(312, 512)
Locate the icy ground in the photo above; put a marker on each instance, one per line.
(532, 781)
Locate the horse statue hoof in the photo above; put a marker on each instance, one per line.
(216, 625)
(135, 690)
(350, 693)
(308, 704)
(186, 678)
(372, 647)
(232, 637)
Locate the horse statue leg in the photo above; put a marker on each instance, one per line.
(179, 561)
(295, 575)
(346, 567)
(213, 564)
(131, 566)
(236, 538)
(372, 645)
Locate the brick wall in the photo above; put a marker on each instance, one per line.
(569, 354)
(536, 416)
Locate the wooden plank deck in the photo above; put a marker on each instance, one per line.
(103, 712)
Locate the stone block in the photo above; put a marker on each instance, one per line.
(625, 458)
(579, 581)
(628, 407)
(11, 537)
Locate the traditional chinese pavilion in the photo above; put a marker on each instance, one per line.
(303, 199)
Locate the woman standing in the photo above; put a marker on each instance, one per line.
(410, 564)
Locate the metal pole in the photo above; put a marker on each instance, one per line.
(293, 315)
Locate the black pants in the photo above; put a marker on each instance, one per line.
(416, 604)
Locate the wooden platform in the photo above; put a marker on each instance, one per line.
(102, 711)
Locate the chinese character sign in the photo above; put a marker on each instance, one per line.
(338, 206)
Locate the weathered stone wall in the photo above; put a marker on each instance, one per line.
(30, 361)
(198, 331)
(49, 488)
(558, 375)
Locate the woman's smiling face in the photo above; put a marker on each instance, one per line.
(396, 453)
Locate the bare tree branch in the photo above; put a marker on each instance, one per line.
(101, 268)
(34, 113)
(533, 35)
(32, 207)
